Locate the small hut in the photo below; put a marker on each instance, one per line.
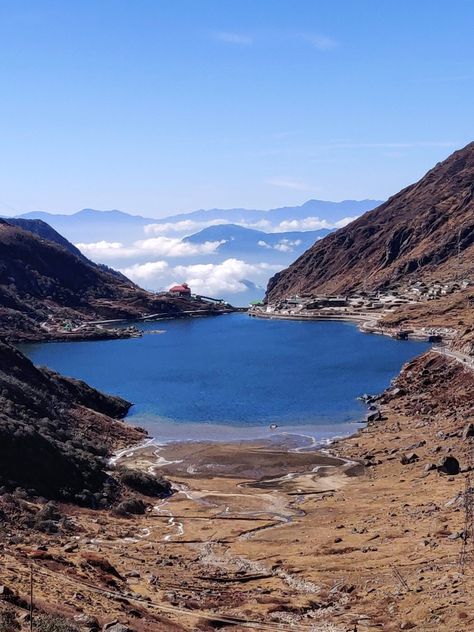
(182, 290)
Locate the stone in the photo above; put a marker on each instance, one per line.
(70, 548)
(407, 625)
(448, 465)
(429, 467)
(407, 459)
(87, 621)
(468, 431)
(373, 416)
(5, 592)
(115, 626)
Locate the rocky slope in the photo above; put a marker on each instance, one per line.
(424, 232)
(43, 279)
(45, 231)
(55, 431)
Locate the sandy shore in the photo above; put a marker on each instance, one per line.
(256, 460)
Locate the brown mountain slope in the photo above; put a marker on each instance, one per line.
(41, 280)
(425, 232)
(55, 431)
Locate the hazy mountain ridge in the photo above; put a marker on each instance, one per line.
(331, 211)
(203, 247)
(249, 242)
(426, 231)
(122, 226)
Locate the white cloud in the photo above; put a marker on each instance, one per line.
(311, 223)
(344, 221)
(233, 38)
(307, 223)
(146, 272)
(225, 277)
(287, 245)
(174, 247)
(263, 224)
(211, 279)
(284, 245)
(185, 226)
(290, 183)
(156, 246)
(106, 250)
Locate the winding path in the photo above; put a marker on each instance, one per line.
(466, 360)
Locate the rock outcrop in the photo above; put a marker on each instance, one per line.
(425, 232)
(55, 432)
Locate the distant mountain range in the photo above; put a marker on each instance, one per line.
(229, 253)
(90, 225)
(330, 211)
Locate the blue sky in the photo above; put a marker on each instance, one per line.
(163, 106)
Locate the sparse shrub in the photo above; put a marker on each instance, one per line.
(9, 621)
(54, 623)
(145, 483)
(133, 506)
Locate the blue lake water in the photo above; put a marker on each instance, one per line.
(233, 376)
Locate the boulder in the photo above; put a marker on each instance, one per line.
(5, 592)
(373, 416)
(116, 627)
(448, 465)
(407, 459)
(468, 431)
(134, 506)
(87, 621)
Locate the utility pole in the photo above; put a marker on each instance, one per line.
(31, 598)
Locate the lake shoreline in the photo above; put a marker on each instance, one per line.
(208, 379)
(368, 324)
(232, 458)
(332, 522)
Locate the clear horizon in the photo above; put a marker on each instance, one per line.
(157, 109)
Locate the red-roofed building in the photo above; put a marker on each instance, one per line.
(181, 290)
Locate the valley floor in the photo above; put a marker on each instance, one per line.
(368, 535)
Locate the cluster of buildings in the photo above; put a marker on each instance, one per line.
(327, 303)
(365, 302)
(434, 290)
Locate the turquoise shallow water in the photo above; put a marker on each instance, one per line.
(233, 376)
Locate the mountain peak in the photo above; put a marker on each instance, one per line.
(426, 231)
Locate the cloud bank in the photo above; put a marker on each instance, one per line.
(155, 246)
(213, 279)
